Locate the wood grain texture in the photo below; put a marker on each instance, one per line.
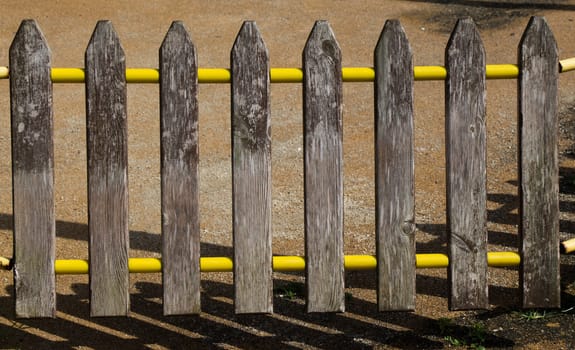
(179, 173)
(538, 168)
(107, 141)
(323, 171)
(394, 170)
(466, 170)
(32, 173)
(251, 166)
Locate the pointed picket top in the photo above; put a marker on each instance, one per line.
(322, 65)
(465, 141)
(33, 173)
(177, 33)
(249, 36)
(178, 67)
(179, 172)
(105, 43)
(30, 56)
(395, 204)
(322, 41)
(393, 40)
(539, 167)
(250, 70)
(465, 36)
(177, 39)
(29, 39)
(322, 54)
(538, 35)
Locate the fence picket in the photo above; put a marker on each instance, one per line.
(251, 159)
(107, 172)
(32, 173)
(323, 184)
(179, 172)
(538, 168)
(395, 203)
(466, 168)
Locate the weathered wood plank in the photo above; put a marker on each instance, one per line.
(179, 172)
(251, 166)
(466, 170)
(323, 167)
(32, 173)
(394, 167)
(107, 153)
(538, 168)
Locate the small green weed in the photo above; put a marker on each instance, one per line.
(477, 335)
(290, 291)
(474, 336)
(531, 315)
(454, 341)
(445, 325)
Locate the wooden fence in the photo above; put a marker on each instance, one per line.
(105, 83)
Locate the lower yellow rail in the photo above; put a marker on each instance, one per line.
(284, 263)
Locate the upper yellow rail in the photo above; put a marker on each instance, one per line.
(291, 75)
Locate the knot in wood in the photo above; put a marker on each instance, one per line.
(408, 227)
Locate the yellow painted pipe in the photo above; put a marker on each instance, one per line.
(360, 262)
(429, 73)
(5, 263)
(285, 75)
(142, 75)
(144, 265)
(214, 75)
(4, 73)
(501, 71)
(67, 75)
(71, 267)
(567, 65)
(288, 263)
(285, 263)
(503, 259)
(291, 75)
(568, 246)
(216, 264)
(427, 261)
(358, 74)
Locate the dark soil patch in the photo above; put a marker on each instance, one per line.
(486, 14)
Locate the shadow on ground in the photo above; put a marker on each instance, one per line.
(218, 326)
(362, 326)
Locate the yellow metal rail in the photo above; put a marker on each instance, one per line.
(290, 75)
(568, 246)
(284, 263)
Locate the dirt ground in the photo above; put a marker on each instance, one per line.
(285, 25)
